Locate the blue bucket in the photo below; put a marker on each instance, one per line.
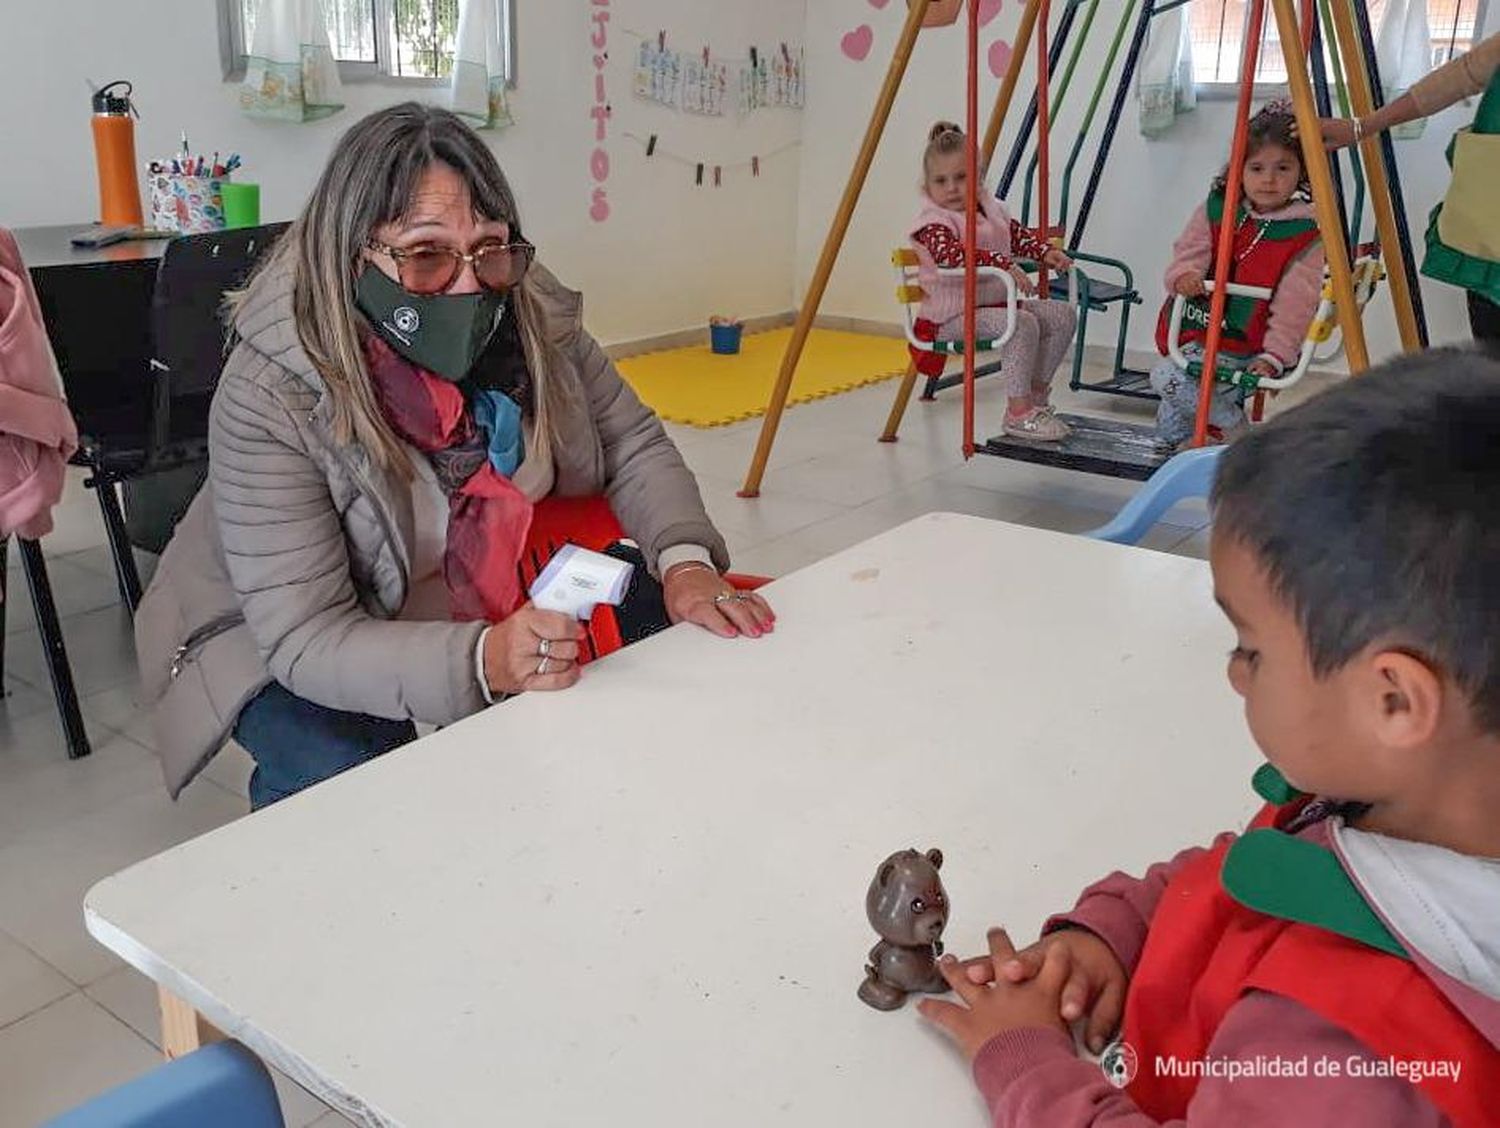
(725, 338)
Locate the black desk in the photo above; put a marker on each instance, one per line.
(97, 306)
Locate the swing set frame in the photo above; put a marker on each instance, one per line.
(1298, 31)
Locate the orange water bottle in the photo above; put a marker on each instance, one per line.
(114, 152)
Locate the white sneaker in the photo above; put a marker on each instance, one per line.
(1040, 423)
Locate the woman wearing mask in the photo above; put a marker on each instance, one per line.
(406, 383)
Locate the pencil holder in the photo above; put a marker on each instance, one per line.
(189, 205)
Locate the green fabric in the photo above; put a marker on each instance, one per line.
(1275, 229)
(1448, 264)
(1272, 786)
(1292, 879)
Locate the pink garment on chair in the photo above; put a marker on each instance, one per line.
(37, 432)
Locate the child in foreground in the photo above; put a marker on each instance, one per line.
(1355, 550)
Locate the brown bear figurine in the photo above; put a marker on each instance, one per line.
(908, 908)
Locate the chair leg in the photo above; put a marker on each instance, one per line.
(126, 574)
(54, 650)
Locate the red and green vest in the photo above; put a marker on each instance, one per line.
(1272, 912)
(1263, 250)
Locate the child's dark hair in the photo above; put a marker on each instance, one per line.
(943, 138)
(1375, 511)
(1274, 124)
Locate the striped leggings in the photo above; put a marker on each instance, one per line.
(1044, 333)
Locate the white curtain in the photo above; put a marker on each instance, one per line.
(479, 67)
(290, 71)
(1403, 48)
(1166, 86)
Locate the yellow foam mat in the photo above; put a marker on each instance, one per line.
(696, 387)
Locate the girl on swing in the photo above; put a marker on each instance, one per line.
(1044, 328)
(1276, 246)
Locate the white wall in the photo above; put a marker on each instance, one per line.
(1150, 187)
(670, 255)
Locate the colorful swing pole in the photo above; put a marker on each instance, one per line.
(1057, 44)
(1057, 104)
(1323, 95)
(1381, 202)
(971, 231)
(1043, 143)
(1126, 16)
(1388, 150)
(1314, 160)
(1123, 90)
(1229, 224)
(998, 115)
(1007, 92)
(831, 247)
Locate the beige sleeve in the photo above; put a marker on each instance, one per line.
(1463, 77)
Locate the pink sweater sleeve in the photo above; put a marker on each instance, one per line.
(1033, 1076)
(1193, 252)
(1293, 306)
(1119, 908)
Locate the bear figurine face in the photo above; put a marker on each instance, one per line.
(906, 903)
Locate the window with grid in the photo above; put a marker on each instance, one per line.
(403, 39)
(1217, 28)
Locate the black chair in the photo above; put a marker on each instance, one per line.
(162, 469)
(53, 648)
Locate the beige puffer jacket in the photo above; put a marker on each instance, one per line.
(293, 560)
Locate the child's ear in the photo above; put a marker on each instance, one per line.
(1410, 699)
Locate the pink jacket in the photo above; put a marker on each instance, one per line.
(1296, 298)
(1034, 1076)
(37, 432)
(945, 295)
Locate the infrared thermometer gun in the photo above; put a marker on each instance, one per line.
(577, 580)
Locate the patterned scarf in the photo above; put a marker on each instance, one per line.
(488, 517)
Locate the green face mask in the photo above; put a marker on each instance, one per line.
(443, 333)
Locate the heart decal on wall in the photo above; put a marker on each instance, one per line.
(856, 45)
(1000, 53)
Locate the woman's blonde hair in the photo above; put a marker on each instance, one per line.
(943, 138)
(368, 182)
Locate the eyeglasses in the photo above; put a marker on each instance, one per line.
(432, 270)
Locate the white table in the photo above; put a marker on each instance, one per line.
(641, 902)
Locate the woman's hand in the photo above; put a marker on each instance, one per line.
(696, 593)
(1094, 982)
(999, 1004)
(1338, 133)
(1190, 285)
(1057, 259)
(1024, 285)
(532, 649)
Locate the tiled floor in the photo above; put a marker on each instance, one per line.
(74, 1020)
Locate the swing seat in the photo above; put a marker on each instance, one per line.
(910, 294)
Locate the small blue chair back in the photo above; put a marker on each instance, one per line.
(223, 1085)
(1186, 475)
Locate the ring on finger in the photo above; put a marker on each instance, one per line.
(541, 667)
(544, 648)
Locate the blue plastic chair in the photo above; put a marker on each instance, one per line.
(1185, 475)
(223, 1085)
